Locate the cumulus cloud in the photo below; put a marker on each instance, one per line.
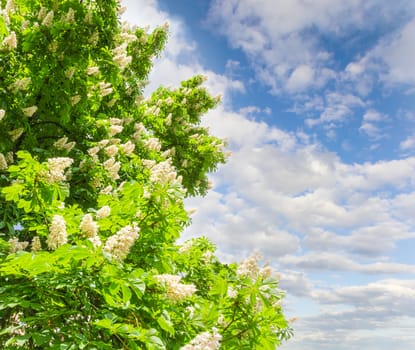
(283, 39)
(283, 192)
(336, 262)
(399, 53)
(408, 143)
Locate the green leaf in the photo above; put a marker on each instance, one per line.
(165, 323)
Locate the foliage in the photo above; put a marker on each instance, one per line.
(93, 177)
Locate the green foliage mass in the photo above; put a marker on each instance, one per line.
(93, 178)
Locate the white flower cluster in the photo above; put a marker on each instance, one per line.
(231, 293)
(36, 244)
(112, 167)
(119, 245)
(163, 172)
(10, 42)
(104, 212)
(105, 88)
(48, 20)
(63, 144)
(16, 246)
(90, 230)
(249, 268)
(29, 111)
(121, 59)
(92, 70)
(139, 130)
(88, 226)
(115, 129)
(153, 144)
(205, 341)
(20, 85)
(75, 99)
(16, 133)
(57, 233)
(3, 162)
(2, 114)
(175, 290)
(57, 168)
(69, 17)
(127, 148)
(186, 247)
(111, 150)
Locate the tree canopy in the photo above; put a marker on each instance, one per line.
(93, 178)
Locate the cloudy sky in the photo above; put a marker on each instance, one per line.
(319, 113)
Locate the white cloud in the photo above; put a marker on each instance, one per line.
(408, 143)
(300, 78)
(283, 41)
(337, 108)
(336, 262)
(282, 192)
(399, 55)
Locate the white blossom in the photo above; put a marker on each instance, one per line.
(128, 148)
(10, 157)
(115, 121)
(88, 226)
(185, 248)
(104, 212)
(75, 99)
(57, 233)
(105, 88)
(47, 21)
(231, 293)
(16, 246)
(70, 72)
(42, 13)
(96, 241)
(115, 129)
(69, 17)
(121, 59)
(205, 341)
(16, 133)
(175, 290)
(93, 151)
(119, 245)
(2, 114)
(92, 70)
(10, 6)
(60, 143)
(3, 162)
(164, 173)
(112, 167)
(249, 267)
(121, 10)
(20, 84)
(106, 190)
(103, 143)
(266, 271)
(168, 119)
(127, 37)
(153, 144)
(93, 39)
(111, 151)
(29, 111)
(10, 41)
(36, 244)
(57, 168)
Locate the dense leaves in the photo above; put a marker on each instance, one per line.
(93, 177)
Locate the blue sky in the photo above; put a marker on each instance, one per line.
(319, 113)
